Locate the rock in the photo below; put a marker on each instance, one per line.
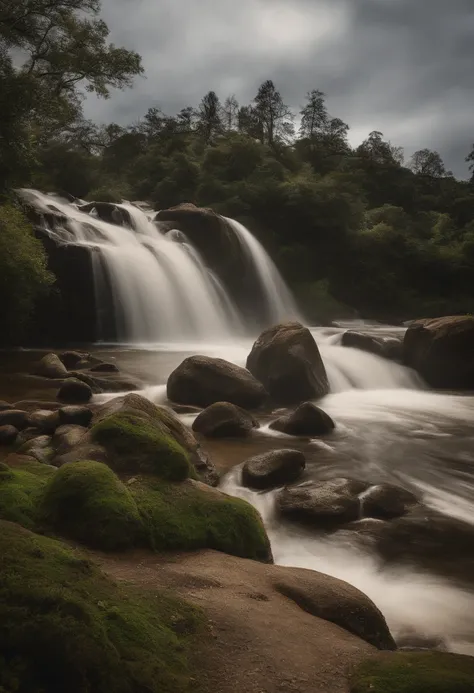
(39, 448)
(72, 359)
(89, 380)
(273, 468)
(106, 384)
(75, 415)
(74, 391)
(286, 359)
(442, 351)
(105, 368)
(224, 420)
(67, 437)
(28, 434)
(8, 434)
(83, 451)
(322, 503)
(4, 406)
(202, 381)
(45, 420)
(170, 423)
(386, 501)
(15, 417)
(306, 420)
(364, 342)
(50, 366)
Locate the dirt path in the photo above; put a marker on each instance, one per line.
(261, 641)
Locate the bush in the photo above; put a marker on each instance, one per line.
(138, 445)
(87, 502)
(190, 516)
(24, 277)
(415, 672)
(64, 626)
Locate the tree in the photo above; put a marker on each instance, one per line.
(209, 123)
(428, 163)
(379, 151)
(274, 117)
(230, 113)
(314, 115)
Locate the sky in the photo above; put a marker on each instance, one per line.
(404, 67)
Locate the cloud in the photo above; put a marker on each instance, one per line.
(398, 66)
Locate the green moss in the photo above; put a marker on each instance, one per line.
(189, 516)
(64, 626)
(87, 502)
(20, 492)
(136, 444)
(415, 672)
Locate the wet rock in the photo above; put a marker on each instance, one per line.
(50, 366)
(224, 420)
(322, 503)
(74, 391)
(72, 359)
(39, 448)
(75, 415)
(45, 420)
(113, 383)
(84, 451)
(8, 434)
(442, 351)
(28, 434)
(202, 381)
(89, 380)
(67, 437)
(386, 501)
(286, 359)
(4, 406)
(364, 342)
(105, 368)
(15, 417)
(306, 420)
(273, 468)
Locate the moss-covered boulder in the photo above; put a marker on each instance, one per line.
(20, 492)
(191, 515)
(87, 502)
(137, 445)
(64, 626)
(415, 672)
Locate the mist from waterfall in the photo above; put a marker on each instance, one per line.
(158, 284)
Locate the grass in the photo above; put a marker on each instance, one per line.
(64, 626)
(139, 445)
(415, 672)
(189, 517)
(86, 501)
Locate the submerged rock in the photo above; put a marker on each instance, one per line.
(273, 468)
(442, 351)
(322, 503)
(306, 420)
(50, 366)
(286, 359)
(224, 420)
(202, 381)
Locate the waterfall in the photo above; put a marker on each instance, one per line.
(156, 284)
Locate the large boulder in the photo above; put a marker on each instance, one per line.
(306, 420)
(74, 391)
(322, 504)
(50, 366)
(442, 351)
(224, 420)
(387, 501)
(286, 359)
(202, 381)
(273, 468)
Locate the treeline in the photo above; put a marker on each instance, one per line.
(350, 228)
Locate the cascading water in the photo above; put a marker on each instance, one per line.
(159, 286)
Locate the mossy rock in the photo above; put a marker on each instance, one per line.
(64, 626)
(87, 502)
(137, 445)
(415, 672)
(20, 492)
(190, 515)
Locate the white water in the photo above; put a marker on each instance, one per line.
(161, 289)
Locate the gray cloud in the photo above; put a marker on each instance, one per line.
(398, 66)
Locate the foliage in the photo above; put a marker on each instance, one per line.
(24, 277)
(86, 501)
(415, 672)
(65, 626)
(139, 445)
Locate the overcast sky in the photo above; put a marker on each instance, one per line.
(405, 67)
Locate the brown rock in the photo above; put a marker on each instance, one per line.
(306, 420)
(50, 366)
(74, 391)
(8, 434)
(224, 420)
(273, 468)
